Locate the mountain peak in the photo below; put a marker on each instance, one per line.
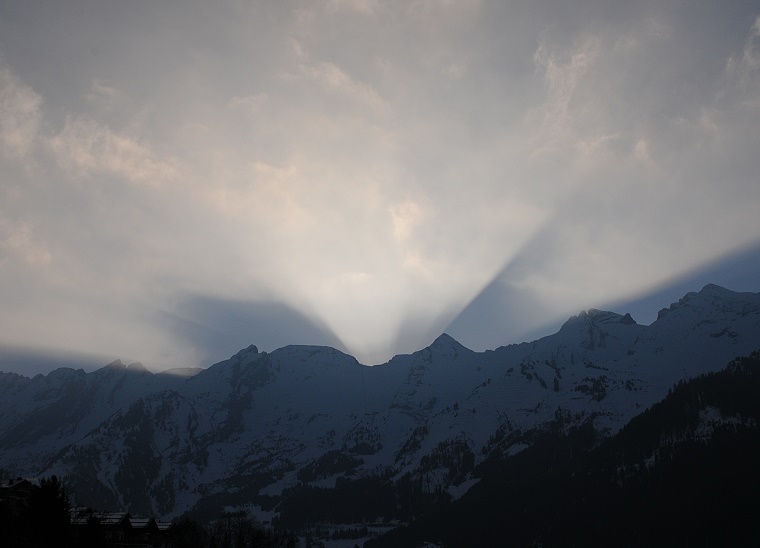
(445, 340)
(603, 316)
(250, 350)
(710, 295)
(445, 346)
(600, 317)
(137, 367)
(712, 288)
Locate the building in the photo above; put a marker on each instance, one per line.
(120, 529)
(16, 493)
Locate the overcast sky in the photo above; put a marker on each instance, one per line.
(181, 179)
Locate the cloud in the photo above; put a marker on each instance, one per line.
(83, 148)
(102, 95)
(19, 115)
(746, 66)
(446, 12)
(562, 77)
(406, 216)
(19, 240)
(332, 78)
(364, 7)
(373, 166)
(658, 191)
(250, 105)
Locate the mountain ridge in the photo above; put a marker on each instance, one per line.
(593, 314)
(262, 427)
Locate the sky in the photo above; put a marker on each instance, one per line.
(181, 179)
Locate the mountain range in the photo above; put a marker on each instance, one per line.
(306, 434)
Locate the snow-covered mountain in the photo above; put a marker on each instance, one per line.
(248, 429)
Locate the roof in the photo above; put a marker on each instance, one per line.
(111, 518)
(13, 483)
(141, 523)
(82, 515)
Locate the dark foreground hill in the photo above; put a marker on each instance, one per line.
(683, 473)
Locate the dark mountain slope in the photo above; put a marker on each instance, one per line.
(683, 473)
